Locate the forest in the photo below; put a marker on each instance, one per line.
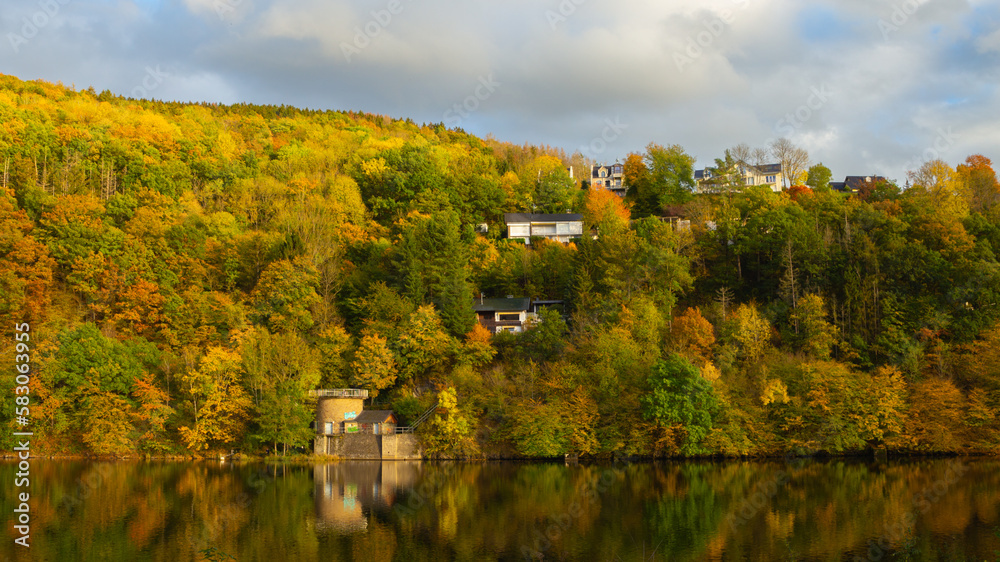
(189, 272)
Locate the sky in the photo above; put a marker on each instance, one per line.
(868, 87)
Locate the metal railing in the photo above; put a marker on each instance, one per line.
(339, 393)
(423, 417)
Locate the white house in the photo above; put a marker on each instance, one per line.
(563, 227)
(769, 175)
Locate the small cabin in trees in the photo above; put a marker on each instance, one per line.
(561, 227)
(503, 315)
(345, 429)
(376, 422)
(342, 411)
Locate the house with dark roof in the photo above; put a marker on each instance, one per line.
(852, 184)
(504, 315)
(376, 422)
(562, 227)
(608, 177)
(538, 305)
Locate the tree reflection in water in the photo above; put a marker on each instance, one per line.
(921, 509)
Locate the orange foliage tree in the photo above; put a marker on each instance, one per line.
(980, 182)
(601, 205)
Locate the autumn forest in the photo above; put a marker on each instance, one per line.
(190, 272)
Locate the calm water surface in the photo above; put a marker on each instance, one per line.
(372, 511)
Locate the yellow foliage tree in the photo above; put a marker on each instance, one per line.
(220, 404)
(424, 345)
(935, 416)
(450, 432)
(880, 410)
(374, 365)
(107, 432)
(816, 335)
(751, 331)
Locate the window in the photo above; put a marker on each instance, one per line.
(749, 181)
(603, 173)
(772, 179)
(518, 230)
(328, 428)
(508, 317)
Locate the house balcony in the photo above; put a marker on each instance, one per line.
(495, 326)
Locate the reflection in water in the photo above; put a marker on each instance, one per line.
(840, 509)
(343, 489)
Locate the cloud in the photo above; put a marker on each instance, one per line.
(989, 43)
(707, 75)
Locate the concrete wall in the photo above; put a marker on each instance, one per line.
(403, 446)
(362, 446)
(350, 446)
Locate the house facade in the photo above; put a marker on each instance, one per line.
(852, 184)
(608, 177)
(345, 429)
(504, 315)
(563, 227)
(375, 422)
(769, 175)
(337, 409)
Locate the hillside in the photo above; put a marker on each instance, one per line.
(189, 272)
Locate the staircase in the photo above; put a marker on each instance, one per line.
(423, 417)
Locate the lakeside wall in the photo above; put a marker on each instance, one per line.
(357, 446)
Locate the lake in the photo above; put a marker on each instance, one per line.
(914, 509)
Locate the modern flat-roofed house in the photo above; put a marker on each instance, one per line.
(538, 305)
(563, 227)
(503, 315)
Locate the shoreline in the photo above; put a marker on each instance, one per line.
(597, 459)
